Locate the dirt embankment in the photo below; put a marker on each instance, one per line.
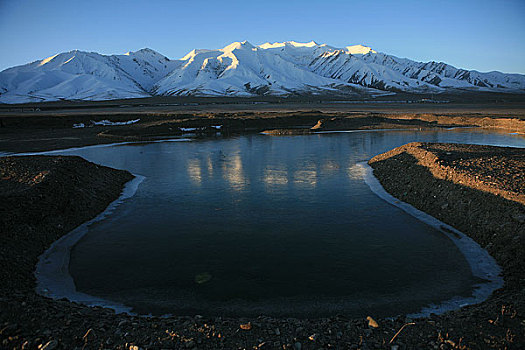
(41, 198)
(480, 190)
(511, 124)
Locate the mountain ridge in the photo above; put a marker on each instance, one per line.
(241, 69)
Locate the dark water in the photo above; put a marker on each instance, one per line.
(268, 225)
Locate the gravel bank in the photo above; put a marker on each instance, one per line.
(479, 190)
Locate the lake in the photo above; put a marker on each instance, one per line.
(257, 224)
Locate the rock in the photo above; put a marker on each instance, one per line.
(394, 347)
(371, 322)
(50, 345)
(297, 346)
(246, 326)
(277, 331)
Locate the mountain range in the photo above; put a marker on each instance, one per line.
(241, 69)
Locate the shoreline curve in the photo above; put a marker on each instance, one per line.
(481, 263)
(53, 279)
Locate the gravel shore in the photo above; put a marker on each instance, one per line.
(477, 189)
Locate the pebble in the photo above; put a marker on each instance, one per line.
(246, 326)
(371, 322)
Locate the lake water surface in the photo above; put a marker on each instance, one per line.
(258, 224)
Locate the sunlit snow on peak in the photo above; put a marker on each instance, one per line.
(238, 45)
(359, 49)
(47, 60)
(271, 46)
(291, 43)
(194, 53)
(296, 44)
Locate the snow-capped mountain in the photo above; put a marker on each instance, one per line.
(78, 75)
(240, 69)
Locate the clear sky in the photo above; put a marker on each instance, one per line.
(481, 34)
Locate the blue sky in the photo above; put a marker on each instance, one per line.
(482, 35)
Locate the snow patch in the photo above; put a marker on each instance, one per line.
(193, 130)
(106, 122)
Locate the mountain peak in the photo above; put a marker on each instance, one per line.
(296, 44)
(144, 51)
(289, 43)
(238, 45)
(359, 49)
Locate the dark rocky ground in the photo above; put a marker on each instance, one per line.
(43, 198)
